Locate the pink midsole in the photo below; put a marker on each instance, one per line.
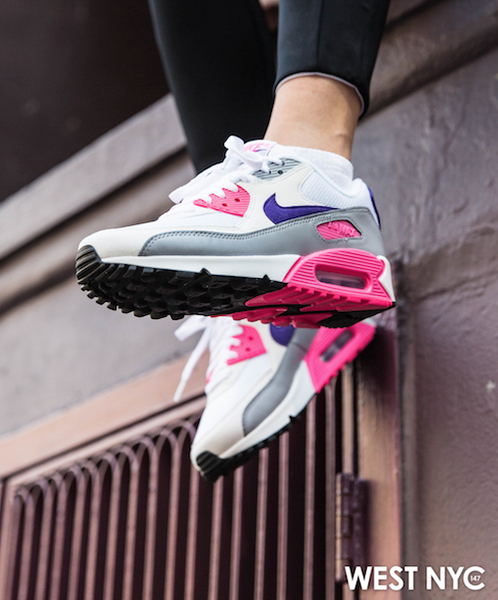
(319, 298)
(305, 287)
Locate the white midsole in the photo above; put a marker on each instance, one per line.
(300, 393)
(275, 267)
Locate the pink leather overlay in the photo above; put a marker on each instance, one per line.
(335, 230)
(251, 345)
(343, 345)
(233, 203)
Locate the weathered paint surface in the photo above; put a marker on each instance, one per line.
(431, 160)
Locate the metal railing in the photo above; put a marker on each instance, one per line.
(134, 521)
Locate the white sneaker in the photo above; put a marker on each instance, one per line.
(260, 378)
(266, 235)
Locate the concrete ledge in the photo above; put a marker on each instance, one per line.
(431, 43)
(100, 416)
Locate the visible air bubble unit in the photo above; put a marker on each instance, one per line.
(337, 345)
(349, 281)
(343, 285)
(331, 349)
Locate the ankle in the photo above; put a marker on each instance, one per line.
(317, 112)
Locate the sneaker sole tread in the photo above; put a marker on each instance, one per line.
(158, 293)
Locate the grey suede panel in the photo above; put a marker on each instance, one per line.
(262, 405)
(277, 170)
(296, 236)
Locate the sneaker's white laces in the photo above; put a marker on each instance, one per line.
(219, 335)
(239, 163)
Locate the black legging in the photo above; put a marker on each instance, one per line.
(219, 59)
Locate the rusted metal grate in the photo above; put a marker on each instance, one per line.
(134, 521)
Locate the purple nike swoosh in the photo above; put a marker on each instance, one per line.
(282, 335)
(279, 214)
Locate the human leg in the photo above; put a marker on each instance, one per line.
(219, 62)
(315, 112)
(326, 55)
(335, 38)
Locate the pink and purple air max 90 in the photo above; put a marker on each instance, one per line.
(265, 235)
(260, 378)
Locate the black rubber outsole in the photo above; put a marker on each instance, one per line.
(160, 292)
(213, 466)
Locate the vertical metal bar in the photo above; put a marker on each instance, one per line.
(238, 488)
(58, 540)
(309, 500)
(172, 517)
(26, 566)
(283, 516)
(135, 535)
(5, 536)
(112, 535)
(192, 541)
(214, 562)
(26, 544)
(150, 535)
(93, 534)
(348, 424)
(81, 480)
(17, 510)
(4, 527)
(330, 466)
(261, 517)
(131, 529)
(45, 541)
(184, 439)
(3, 486)
(348, 454)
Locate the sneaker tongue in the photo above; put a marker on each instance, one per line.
(260, 146)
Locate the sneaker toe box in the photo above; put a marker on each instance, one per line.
(120, 242)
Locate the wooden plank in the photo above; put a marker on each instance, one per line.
(102, 167)
(99, 416)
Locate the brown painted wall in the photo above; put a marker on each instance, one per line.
(432, 162)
